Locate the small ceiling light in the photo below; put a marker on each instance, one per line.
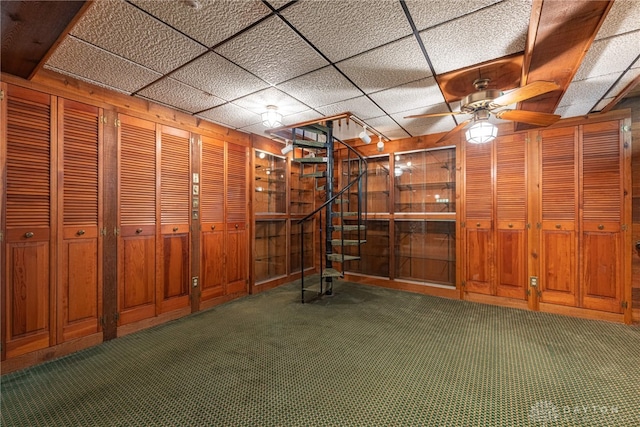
(481, 131)
(380, 144)
(364, 136)
(287, 148)
(271, 118)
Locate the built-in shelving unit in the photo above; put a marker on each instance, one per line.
(270, 194)
(270, 248)
(411, 196)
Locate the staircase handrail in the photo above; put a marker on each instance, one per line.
(363, 171)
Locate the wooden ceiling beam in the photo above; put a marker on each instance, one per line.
(31, 30)
(560, 34)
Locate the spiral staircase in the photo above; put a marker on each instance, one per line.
(342, 216)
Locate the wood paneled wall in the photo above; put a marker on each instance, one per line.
(114, 219)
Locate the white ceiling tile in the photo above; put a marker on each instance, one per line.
(487, 34)
(272, 51)
(433, 12)
(421, 93)
(362, 107)
(322, 87)
(343, 29)
(214, 74)
(211, 23)
(588, 92)
(304, 116)
(127, 31)
(427, 125)
(387, 66)
(172, 92)
(574, 110)
(603, 103)
(257, 102)
(231, 116)
(388, 127)
(610, 55)
(90, 63)
(623, 17)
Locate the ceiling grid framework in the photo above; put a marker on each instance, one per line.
(226, 60)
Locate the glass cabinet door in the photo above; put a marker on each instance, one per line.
(302, 189)
(271, 249)
(270, 183)
(377, 188)
(425, 251)
(425, 181)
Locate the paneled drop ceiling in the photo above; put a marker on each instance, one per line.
(382, 60)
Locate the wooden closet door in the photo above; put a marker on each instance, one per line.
(212, 209)
(559, 199)
(237, 262)
(27, 315)
(478, 217)
(511, 215)
(172, 281)
(137, 219)
(80, 204)
(602, 188)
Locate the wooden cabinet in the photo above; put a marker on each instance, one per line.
(375, 254)
(80, 199)
(137, 197)
(302, 189)
(377, 183)
(603, 195)
(296, 242)
(29, 220)
(172, 281)
(559, 215)
(223, 215)
(495, 217)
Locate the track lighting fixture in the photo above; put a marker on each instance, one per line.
(380, 144)
(364, 136)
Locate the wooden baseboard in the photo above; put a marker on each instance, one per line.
(583, 313)
(426, 289)
(221, 300)
(49, 353)
(153, 321)
(495, 300)
(274, 283)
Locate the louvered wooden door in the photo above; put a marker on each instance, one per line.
(212, 243)
(478, 217)
(27, 314)
(237, 261)
(80, 206)
(172, 282)
(559, 210)
(137, 194)
(511, 216)
(602, 267)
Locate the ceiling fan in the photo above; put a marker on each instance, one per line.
(485, 101)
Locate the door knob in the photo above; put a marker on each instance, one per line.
(80, 232)
(139, 230)
(28, 234)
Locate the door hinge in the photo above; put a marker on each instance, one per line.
(624, 304)
(103, 119)
(103, 231)
(624, 227)
(463, 284)
(102, 321)
(116, 231)
(538, 225)
(539, 137)
(116, 316)
(1, 236)
(463, 224)
(528, 226)
(117, 123)
(1, 95)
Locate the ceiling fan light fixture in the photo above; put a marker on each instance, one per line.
(271, 118)
(481, 132)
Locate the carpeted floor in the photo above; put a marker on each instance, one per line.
(365, 357)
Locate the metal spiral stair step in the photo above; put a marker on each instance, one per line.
(344, 214)
(331, 272)
(347, 242)
(309, 144)
(335, 257)
(309, 159)
(349, 227)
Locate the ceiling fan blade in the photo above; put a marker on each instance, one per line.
(531, 117)
(453, 131)
(419, 116)
(525, 92)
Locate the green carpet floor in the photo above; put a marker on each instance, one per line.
(366, 356)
